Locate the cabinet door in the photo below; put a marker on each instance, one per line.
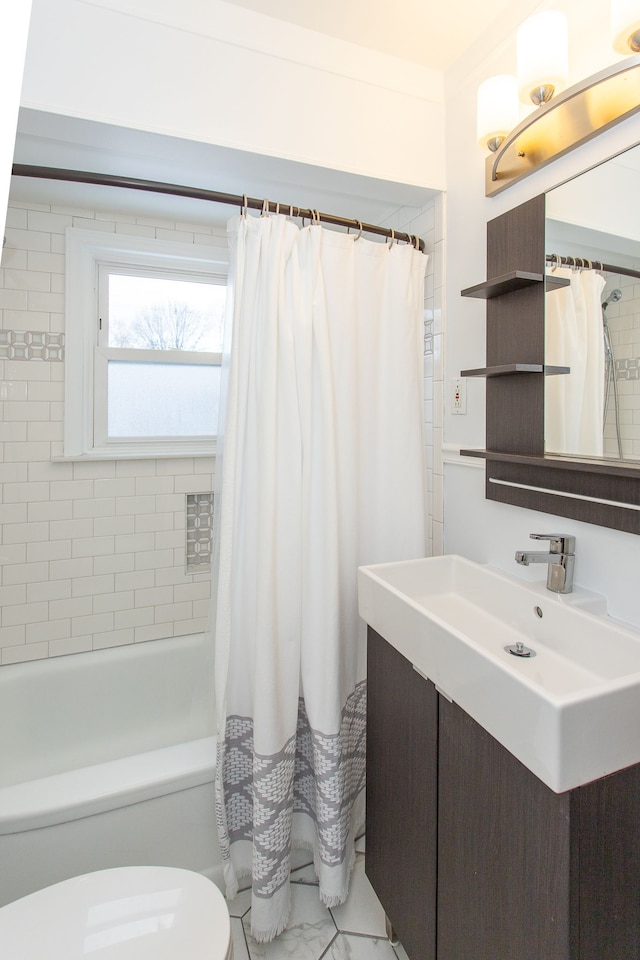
(402, 718)
(504, 852)
(606, 858)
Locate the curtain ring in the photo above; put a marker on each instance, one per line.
(393, 236)
(277, 208)
(360, 231)
(265, 208)
(245, 206)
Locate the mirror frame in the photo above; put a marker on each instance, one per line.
(603, 492)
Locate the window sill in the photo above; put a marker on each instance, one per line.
(139, 453)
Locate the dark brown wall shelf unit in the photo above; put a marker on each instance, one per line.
(517, 470)
(509, 368)
(508, 282)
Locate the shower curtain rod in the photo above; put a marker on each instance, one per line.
(585, 263)
(197, 193)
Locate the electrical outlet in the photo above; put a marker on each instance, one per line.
(459, 397)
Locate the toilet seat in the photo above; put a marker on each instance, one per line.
(126, 913)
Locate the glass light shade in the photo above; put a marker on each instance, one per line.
(542, 45)
(497, 108)
(625, 26)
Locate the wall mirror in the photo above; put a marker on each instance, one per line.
(551, 423)
(592, 326)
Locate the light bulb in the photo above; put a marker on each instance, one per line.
(497, 109)
(542, 48)
(625, 26)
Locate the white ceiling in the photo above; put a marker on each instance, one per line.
(434, 33)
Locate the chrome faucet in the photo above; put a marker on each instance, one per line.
(561, 560)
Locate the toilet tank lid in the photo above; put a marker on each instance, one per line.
(126, 913)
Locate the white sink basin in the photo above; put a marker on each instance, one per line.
(571, 714)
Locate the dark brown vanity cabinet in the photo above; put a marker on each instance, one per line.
(471, 855)
(402, 795)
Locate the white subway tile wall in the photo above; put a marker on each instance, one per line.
(92, 554)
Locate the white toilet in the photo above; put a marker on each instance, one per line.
(128, 913)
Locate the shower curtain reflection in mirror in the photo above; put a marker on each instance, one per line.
(574, 338)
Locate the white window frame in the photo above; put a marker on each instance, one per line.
(86, 359)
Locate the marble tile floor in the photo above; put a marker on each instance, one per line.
(353, 931)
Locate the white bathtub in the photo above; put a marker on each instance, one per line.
(107, 759)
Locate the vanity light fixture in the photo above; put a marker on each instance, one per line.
(542, 44)
(625, 26)
(497, 110)
(564, 123)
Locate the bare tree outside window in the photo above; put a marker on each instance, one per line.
(156, 313)
(165, 326)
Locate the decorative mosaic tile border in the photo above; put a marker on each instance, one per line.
(428, 336)
(199, 532)
(628, 369)
(31, 345)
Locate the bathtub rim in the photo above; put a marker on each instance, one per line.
(95, 789)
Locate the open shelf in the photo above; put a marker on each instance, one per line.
(621, 468)
(508, 282)
(506, 369)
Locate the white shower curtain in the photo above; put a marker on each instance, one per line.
(322, 471)
(574, 403)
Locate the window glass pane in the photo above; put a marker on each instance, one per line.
(162, 399)
(154, 313)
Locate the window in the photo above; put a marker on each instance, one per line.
(144, 331)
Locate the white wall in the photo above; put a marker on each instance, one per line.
(214, 72)
(483, 530)
(13, 45)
